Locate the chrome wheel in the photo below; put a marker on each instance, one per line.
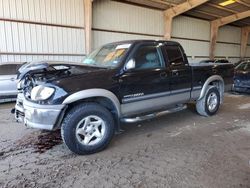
(90, 130)
(212, 102)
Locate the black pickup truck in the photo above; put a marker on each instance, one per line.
(126, 81)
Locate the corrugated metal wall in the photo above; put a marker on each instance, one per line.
(120, 17)
(41, 30)
(114, 21)
(193, 34)
(54, 30)
(117, 21)
(228, 43)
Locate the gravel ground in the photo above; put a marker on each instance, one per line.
(177, 150)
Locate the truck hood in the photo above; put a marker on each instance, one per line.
(54, 68)
(71, 77)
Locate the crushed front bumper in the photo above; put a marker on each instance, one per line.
(36, 115)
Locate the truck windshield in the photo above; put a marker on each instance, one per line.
(108, 56)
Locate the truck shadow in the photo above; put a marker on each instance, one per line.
(168, 121)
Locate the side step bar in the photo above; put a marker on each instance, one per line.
(153, 115)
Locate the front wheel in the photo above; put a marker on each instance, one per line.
(210, 103)
(87, 128)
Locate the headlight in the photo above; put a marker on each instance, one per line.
(40, 93)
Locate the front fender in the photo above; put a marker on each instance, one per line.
(88, 93)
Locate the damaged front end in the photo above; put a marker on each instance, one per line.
(33, 90)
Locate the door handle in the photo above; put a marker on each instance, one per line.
(175, 72)
(13, 79)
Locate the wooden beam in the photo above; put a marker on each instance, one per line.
(170, 13)
(163, 2)
(206, 13)
(221, 8)
(88, 25)
(215, 15)
(232, 18)
(215, 24)
(244, 40)
(243, 3)
(183, 7)
(227, 9)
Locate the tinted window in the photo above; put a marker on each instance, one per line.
(248, 66)
(147, 57)
(241, 66)
(9, 69)
(174, 55)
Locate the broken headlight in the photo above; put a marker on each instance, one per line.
(41, 93)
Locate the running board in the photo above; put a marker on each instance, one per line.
(153, 115)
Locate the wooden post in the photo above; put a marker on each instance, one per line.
(88, 25)
(216, 24)
(244, 40)
(168, 27)
(213, 38)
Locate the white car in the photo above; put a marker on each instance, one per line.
(8, 82)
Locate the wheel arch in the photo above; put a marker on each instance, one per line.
(216, 81)
(101, 96)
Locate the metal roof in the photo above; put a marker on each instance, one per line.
(207, 11)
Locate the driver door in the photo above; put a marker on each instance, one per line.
(147, 81)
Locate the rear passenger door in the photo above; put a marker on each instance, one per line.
(180, 73)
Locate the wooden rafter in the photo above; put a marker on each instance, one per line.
(243, 3)
(215, 15)
(206, 13)
(183, 7)
(177, 10)
(221, 8)
(244, 40)
(163, 2)
(232, 18)
(227, 9)
(88, 25)
(216, 24)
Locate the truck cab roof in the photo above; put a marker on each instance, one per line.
(146, 41)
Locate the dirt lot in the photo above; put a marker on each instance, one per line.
(177, 150)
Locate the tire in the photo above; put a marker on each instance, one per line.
(212, 97)
(87, 128)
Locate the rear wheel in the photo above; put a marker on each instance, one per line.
(210, 103)
(87, 128)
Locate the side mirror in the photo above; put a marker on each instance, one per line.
(130, 64)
